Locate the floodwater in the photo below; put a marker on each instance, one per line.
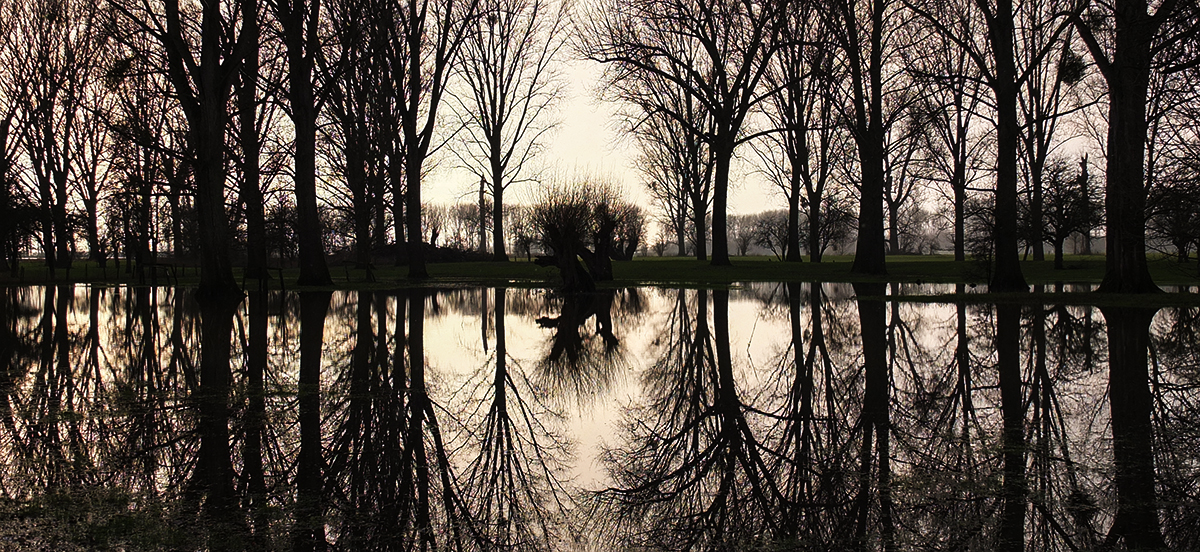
(772, 416)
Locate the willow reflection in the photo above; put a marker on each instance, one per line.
(575, 363)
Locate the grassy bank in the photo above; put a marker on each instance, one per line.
(655, 271)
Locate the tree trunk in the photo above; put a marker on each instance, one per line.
(1036, 235)
(216, 270)
(700, 220)
(793, 229)
(1125, 268)
(1007, 276)
(46, 238)
(869, 254)
(356, 181)
(416, 249)
(397, 176)
(960, 216)
(681, 238)
(252, 196)
(499, 252)
(720, 235)
(815, 249)
(893, 228)
(62, 230)
(95, 247)
(313, 268)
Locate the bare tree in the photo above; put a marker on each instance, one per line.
(1124, 39)
(91, 174)
(353, 93)
(12, 87)
(63, 42)
(804, 122)
(1069, 207)
(203, 53)
(951, 107)
(770, 230)
(425, 38)
(717, 52)
(864, 31)
(250, 144)
(1046, 98)
(150, 152)
(676, 161)
(299, 22)
(508, 66)
(902, 165)
(994, 55)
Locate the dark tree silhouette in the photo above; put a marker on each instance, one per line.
(202, 59)
(805, 122)
(1124, 38)
(299, 22)
(862, 31)
(425, 39)
(508, 65)
(717, 53)
(677, 163)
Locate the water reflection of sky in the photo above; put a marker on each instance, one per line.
(91, 370)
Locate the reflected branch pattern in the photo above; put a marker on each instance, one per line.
(147, 419)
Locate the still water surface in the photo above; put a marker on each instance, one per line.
(776, 416)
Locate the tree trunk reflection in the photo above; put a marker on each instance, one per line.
(1131, 402)
(214, 468)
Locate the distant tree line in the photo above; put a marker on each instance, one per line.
(240, 130)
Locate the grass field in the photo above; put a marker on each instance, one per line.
(652, 271)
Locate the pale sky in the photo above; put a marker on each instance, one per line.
(588, 141)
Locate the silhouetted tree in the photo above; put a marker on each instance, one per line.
(203, 53)
(717, 53)
(1125, 39)
(425, 39)
(508, 66)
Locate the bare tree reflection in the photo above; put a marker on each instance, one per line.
(691, 471)
(1064, 508)
(432, 512)
(253, 487)
(874, 425)
(1175, 384)
(368, 430)
(1014, 487)
(513, 483)
(131, 420)
(943, 436)
(812, 444)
